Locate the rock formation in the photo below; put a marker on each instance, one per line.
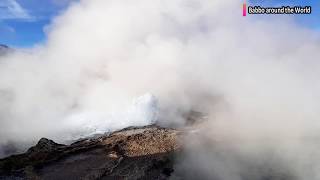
(132, 153)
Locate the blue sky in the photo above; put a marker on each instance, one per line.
(22, 21)
(309, 21)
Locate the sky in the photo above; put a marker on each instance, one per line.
(22, 22)
(308, 21)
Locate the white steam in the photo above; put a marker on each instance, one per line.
(258, 81)
(142, 111)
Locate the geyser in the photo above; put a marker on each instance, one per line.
(259, 85)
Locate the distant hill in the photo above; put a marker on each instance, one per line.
(4, 49)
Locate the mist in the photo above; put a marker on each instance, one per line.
(111, 64)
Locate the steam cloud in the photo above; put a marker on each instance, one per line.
(258, 81)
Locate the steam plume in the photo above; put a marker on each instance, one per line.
(256, 79)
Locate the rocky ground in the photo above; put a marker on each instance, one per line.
(132, 153)
(149, 152)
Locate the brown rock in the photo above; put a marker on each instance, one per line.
(132, 153)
